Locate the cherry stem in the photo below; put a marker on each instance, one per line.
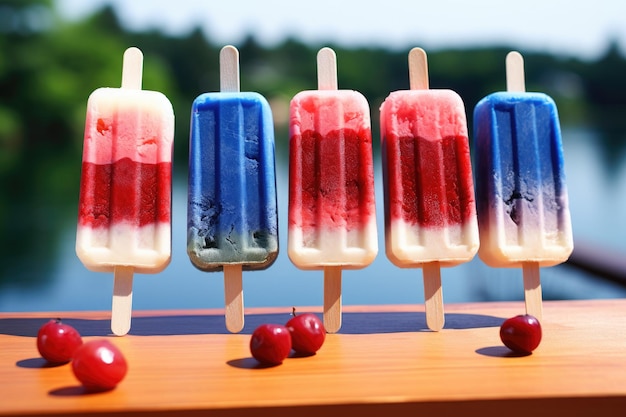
(293, 311)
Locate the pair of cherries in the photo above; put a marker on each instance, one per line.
(98, 364)
(270, 343)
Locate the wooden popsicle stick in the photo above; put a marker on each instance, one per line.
(433, 296)
(233, 298)
(122, 306)
(327, 69)
(332, 298)
(233, 275)
(327, 80)
(418, 69)
(532, 289)
(132, 69)
(515, 81)
(229, 69)
(433, 292)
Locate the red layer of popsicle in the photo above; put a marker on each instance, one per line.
(434, 188)
(331, 197)
(140, 194)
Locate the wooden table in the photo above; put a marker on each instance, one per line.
(383, 362)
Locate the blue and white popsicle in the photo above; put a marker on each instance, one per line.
(521, 194)
(232, 210)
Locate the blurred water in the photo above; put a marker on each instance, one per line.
(597, 198)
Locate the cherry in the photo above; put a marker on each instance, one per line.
(521, 334)
(307, 333)
(57, 342)
(270, 344)
(99, 365)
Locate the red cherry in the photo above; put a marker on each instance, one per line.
(270, 344)
(57, 342)
(521, 334)
(307, 333)
(99, 365)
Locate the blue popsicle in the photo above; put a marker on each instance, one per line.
(521, 194)
(232, 222)
(232, 215)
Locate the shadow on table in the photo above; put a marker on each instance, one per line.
(353, 323)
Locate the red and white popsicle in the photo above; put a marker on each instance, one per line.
(430, 211)
(124, 216)
(332, 211)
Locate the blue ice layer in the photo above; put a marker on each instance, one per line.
(231, 214)
(519, 164)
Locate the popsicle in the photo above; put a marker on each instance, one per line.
(232, 212)
(430, 210)
(124, 216)
(332, 213)
(523, 211)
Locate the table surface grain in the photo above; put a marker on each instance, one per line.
(383, 361)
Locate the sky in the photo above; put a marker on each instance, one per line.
(579, 28)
